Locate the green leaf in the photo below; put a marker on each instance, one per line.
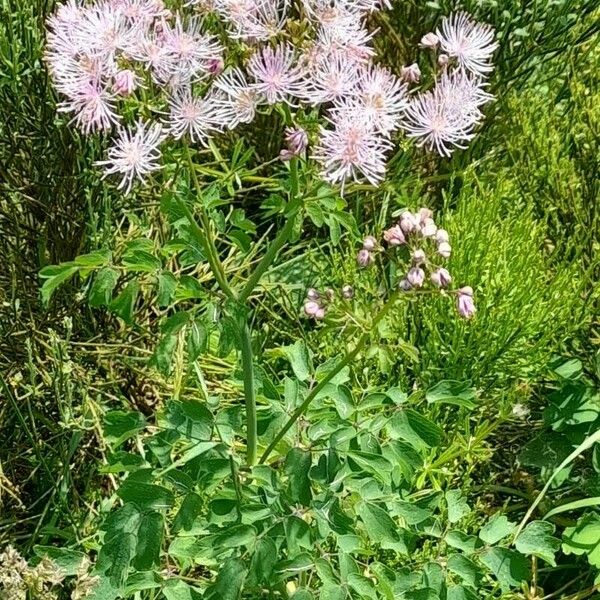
(262, 563)
(574, 404)
(333, 592)
(238, 535)
(379, 525)
(457, 506)
(68, 561)
(297, 564)
(188, 511)
(460, 393)
(362, 585)
(466, 543)
(146, 495)
(170, 329)
(124, 304)
(411, 513)
(190, 418)
(458, 592)
(584, 539)
(149, 540)
(414, 428)
(372, 463)
(496, 528)
(120, 426)
(302, 595)
(167, 284)
(55, 275)
(466, 569)
(509, 567)
(101, 291)
(230, 581)
(196, 339)
(92, 260)
(537, 539)
(297, 466)
(299, 359)
(175, 589)
(140, 260)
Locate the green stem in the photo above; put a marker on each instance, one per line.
(203, 235)
(271, 253)
(249, 390)
(344, 362)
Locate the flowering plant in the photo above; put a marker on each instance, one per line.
(171, 84)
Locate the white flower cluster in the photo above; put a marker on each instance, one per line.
(104, 53)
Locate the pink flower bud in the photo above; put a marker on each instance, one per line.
(444, 249)
(416, 277)
(215, 65)
(464, 303)
(320, 314)
(418, 257)
(347, 292)
(312, 294)
(296, 140)
(125, 82)
(364, 258)
(430, 40)
(404, 285)
(369, 243)
(411, 74)
(394, 236)
(442, 236)
(428, 228)
(424, 214)
(311, 308)
(408, 222)
(443, 60)
(441, 278)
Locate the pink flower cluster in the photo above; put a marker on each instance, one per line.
(107, 55)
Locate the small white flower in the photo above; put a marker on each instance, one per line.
(195, 117)
(351, 149)
(276, 73)
(134, 154)
(470, 43)
(238, 100)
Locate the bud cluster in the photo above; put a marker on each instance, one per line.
(427, 245)
(316, 303)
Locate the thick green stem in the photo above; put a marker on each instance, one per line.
(249, 390)
(344, 362)
(271, 253)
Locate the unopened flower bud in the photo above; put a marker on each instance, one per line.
(296, 140)
(441, 236)
(364, 258)
(125, 82)
(215, 65)
(418, 257)
(443, 60)
(286, 155)
(408, 222)
(441, 278)
(394, 236)
(312, 294)
(424, 214)
(428, 228)
(311, 308)
(411, 74)
(330, 294)
(416, 277)
(430, 40)
(404, 285)
(464, 303)
(347, 292)
(444, 249)
(369, 243)
(320, 314)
